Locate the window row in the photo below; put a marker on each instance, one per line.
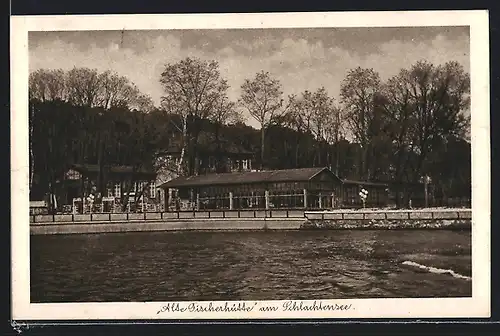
(116, 191)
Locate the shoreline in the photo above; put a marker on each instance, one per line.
(258, 220)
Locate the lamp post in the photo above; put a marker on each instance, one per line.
(363, 194)
(427, 180)
(90, 200)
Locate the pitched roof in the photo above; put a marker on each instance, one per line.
(269, 176)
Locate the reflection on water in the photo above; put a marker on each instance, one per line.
(261, 265)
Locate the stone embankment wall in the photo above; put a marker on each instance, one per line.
(389, 224)
(251, 220)
(418, 219)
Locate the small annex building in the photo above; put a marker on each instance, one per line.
(304, 188)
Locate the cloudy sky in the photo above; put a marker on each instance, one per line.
(301, 58)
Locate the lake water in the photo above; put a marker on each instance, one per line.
(260, 265)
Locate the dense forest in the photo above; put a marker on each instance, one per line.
(410, 126)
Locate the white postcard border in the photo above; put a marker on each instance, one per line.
(477, 306)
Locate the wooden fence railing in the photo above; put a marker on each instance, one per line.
(249, 214)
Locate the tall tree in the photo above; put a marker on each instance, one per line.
(441, 94)
(224, 113)
(47, 85)
(84, 87)
(317, 114)
(262, 98)
(423, 106)
(357, 92)
(192, 88)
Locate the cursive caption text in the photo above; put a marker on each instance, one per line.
(247, 307)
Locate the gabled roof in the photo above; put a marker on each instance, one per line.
(269, 176)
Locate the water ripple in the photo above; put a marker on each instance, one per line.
(162, 266)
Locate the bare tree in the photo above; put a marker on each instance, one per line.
(439, 96)
(46, 85)
(84, 86)
(423, 107)
(395, 103)
(357, 92)
(317, 114)
(192, 88)
(112, 89)
(224, 113)
(262, 97)
(118, 90)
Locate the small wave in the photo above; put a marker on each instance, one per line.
(437, 270)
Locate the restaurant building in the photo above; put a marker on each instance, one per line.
(304, 188)
(82, 180)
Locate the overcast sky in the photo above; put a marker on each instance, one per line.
(301, 58)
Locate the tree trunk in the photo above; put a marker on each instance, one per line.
(337, 158)
(262, 145)
(297, 152)
(180, 162)
(218, 150)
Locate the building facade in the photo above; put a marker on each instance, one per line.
(135, 186)
(306, 188)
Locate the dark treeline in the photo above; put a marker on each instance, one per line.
(401, 130)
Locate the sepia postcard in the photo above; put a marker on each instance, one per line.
(250, 166)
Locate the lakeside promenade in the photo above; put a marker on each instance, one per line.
(251, 220)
